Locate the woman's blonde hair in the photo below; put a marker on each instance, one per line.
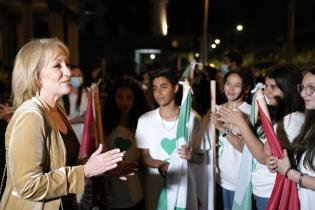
(27, 66)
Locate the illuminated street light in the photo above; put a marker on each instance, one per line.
(212, 65)
(197, 55)
(239, 27)
(152, 56)
(213, 46)
(217, 41)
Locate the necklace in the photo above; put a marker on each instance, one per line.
(172, 126)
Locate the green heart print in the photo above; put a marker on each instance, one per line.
(168, 145)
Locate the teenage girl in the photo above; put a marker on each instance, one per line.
(285, 107)
(302, 170)
(124, 105)
(236, 89)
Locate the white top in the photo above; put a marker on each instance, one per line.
(73, 112)
(306, 196)
(125, 194)
(159, 136)
(230, 158)
(262, 180)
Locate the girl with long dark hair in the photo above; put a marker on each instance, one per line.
(302, 170)
(285, 107)
(124, 105)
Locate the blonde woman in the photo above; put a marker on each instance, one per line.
(41, 147)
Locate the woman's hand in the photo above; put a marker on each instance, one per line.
(272, 164)
(283, 164)
(100, 162)
(214, 119)
(185, 152)
(230, 117)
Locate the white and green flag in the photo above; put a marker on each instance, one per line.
(243, 190)
(174, 193)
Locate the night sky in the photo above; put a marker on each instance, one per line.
(119, 25)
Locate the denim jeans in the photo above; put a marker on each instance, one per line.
(261, 202)
(228, 197)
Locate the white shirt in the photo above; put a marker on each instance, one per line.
(230, 158)
(159, 136)
(74, 112)
(306, 196)
(262, 180)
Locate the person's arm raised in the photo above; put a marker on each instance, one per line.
(255, 146)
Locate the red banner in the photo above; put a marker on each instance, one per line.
(284, 194)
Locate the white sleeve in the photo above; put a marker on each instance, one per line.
(141, 136)
(292, 125)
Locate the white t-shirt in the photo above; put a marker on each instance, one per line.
(306, 196)
(262, 180)
(230, 158)
(125, 194)
(74, 112)
(159, 136)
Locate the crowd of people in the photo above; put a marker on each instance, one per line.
(42, 123)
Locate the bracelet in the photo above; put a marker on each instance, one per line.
(300, 179)
(286, 173)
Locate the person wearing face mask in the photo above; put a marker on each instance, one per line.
(232, 61)
(75, 103)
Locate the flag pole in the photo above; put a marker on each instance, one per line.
(101, 185)
(213, 134)
(98, 116)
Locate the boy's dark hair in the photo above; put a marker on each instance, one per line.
(168, 74)
(173, 78)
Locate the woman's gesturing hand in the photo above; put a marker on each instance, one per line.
(214, 119)
(229, 116)
(100, 162)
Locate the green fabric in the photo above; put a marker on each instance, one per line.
(244, 175)
(162, 201)
(169, 145)
(247, 200)
(183, 120)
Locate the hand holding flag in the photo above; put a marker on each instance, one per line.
(284, 194)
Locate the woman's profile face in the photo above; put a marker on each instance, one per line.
(55, 76)
(233, 87)
(273, 92)
(309, 86)
(164, 91)
(124, 99)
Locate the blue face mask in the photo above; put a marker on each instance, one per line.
(76, 82)
(225, 68)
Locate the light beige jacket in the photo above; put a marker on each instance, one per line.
(37, 174)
